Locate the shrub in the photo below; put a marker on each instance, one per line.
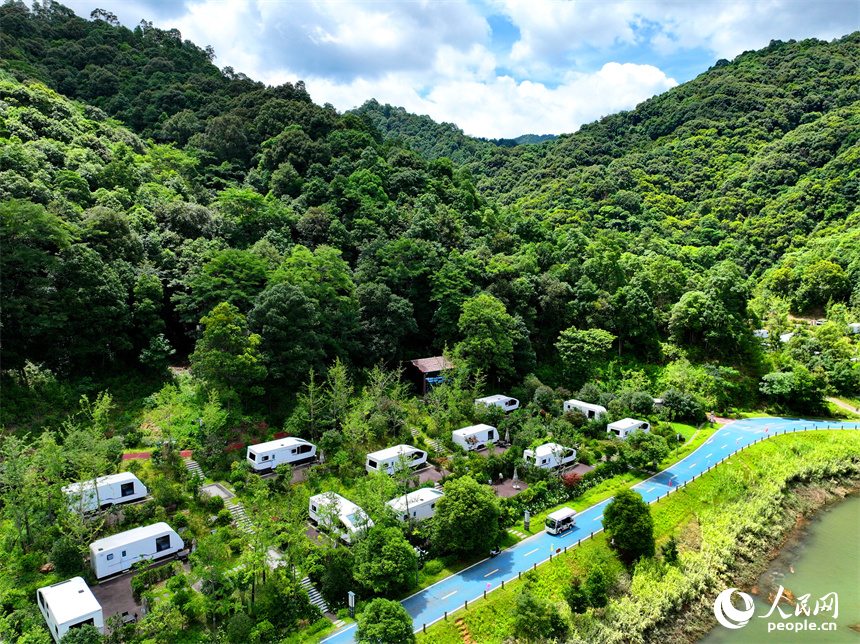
(433, 567)
(235, 546)
(239, 628)
(215, 503)
(66, 557)
(224, 517)
(179, 520)
(570, 480)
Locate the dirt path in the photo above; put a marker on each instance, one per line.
(839, 403)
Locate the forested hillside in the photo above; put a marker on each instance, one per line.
(173, 197)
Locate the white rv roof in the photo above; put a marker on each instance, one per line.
(474, 429)
(130, 536)
(423, 495)
(492, 399)
(70, 599)
(563, 513)
(347, 511)
(289, 441)
(548, 448)
(80, 486)
(625, 423)
(392, 452)
(580, 403)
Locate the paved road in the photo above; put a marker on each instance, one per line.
(430, 604)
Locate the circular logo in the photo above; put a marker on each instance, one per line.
(724, 611)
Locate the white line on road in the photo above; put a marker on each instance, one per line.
(648, 490)
(528, 553)
(449, 594)
(709, 455)
(724, 446)
(599, 518)
(492, 573)
(673, 476)
(692, 466)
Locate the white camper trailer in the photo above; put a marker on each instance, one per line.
(67, 605)
(350, 522)
(385, 460)
(475, 437)
(417, 505)
(549, 456)
(560, 520)
(505, 402)
(119, 552)
(105, 491)
(591, 411)
(621, 428)
(267, 456)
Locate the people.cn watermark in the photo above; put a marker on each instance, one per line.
(731, 617)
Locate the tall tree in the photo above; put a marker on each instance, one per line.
(628, 520)
(226, 356)
(488, 336)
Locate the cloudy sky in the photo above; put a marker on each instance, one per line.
(496, 68)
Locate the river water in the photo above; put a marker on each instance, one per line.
(823, 557)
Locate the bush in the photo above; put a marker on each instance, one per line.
(433, 567)
(215, 504)
(66, 557)
(224, 517)
(235, 546)
(239, 628)
(179, 520)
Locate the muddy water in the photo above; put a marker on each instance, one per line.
(822, 557)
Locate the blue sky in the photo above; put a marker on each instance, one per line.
(496, 68)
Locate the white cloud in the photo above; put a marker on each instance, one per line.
(500, 107)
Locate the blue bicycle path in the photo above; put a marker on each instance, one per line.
(429, 605)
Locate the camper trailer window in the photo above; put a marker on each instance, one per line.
(491, 435)
(127, 489)
(252, 456)
(372, 463)
(110, 556)
(41, 599)
(511, 403)
(266, 458)
(416, 455)
(293, 451)
(304, 449)
(123, 553)
(162, 543)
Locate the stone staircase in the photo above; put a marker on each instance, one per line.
(317, 599)
(438, 447)
(193, 467)
(237, 511)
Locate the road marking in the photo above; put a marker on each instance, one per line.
(673, 476)
(648, 490)
(709, 455)
(491, 573)
(599, 518)
(692, 466)
(449, 594)
(724, 446)
(528, 553)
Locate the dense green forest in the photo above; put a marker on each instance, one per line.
(160, 214)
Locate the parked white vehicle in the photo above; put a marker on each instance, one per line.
(338, 515)
(475, 436)
(267, 456)
(385, 460)
(69, 604)
(119, 552)
(103, 492)
(417, 505)
(560, 520)
(621, 428)
(505, 402)
(590, 410)
(550, 455)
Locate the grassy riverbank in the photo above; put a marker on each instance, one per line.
(726, 521)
